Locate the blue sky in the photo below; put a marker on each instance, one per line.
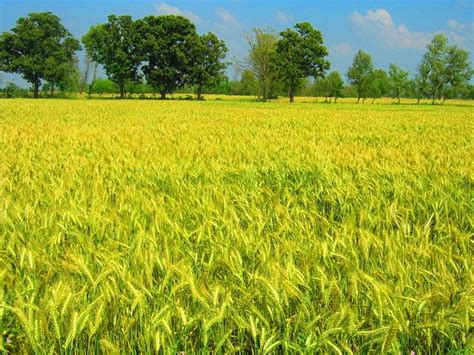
(392, 31)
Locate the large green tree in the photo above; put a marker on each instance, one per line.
(398, 81)
(207, 66)
(299, 53)
(166, 44)
(360, 74)
(113, 44)
(38, 48)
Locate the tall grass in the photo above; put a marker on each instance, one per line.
(145, 226)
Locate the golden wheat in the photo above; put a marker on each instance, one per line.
(221, 226)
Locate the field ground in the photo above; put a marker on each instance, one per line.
(221, 226)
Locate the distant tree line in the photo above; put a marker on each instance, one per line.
(165, 54)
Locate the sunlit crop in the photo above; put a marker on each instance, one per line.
(140, 226)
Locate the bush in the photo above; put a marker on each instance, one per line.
(11, 90)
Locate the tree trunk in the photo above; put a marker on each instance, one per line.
(264, 91)
(122, 90)
(398, 99)
(363, 99)
(358, 97)
(163, 95)
(291, 94)
(36, 90)
(335, 99)
(94, 75)
(199, 93)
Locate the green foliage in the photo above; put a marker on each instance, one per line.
(166, 44)
(39, 48)
(299, 53)
(330, 86)
(248, 84)
(207, 66)
(360, 74)
(379, 84)
(443, 71)
(262, 46)
(11, 90)
(104, 86)
(399, 81)
(114, 45)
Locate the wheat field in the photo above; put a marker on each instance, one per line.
(144, 226)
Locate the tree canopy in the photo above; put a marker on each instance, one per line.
(113, 44)
(207, 66)
(165, 45)
(299, 53)
(360, 73)
(38, 48)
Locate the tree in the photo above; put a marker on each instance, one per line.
(335, 85)
(38, 48)
(360, 73)
(94, 77)
(248, 84)
(443, 69)
(299, 53)
(113, 44)
(436, 60)
(71, 81)
(379, 84)
(398, 81)
(88, 67)
(329, 87)
(165, 43)
(262, 44)
(207, 68)
(321, 88)
(458, 71)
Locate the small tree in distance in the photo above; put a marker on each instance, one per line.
(335, 85)
(360, 74)
(398, 81)
(329, 87)
(379, 84)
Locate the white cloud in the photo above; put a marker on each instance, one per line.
(282, 17)
(227, 17)
(456, 25)
(379, 23)
(461, 34)
(165, 9)
(342, 49)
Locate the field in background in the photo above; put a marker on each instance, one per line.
(132, 226)
(281, 99)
